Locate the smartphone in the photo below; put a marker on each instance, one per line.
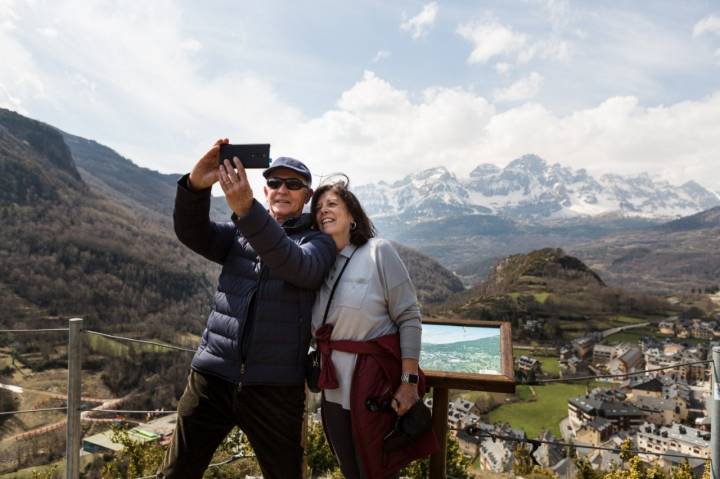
(251, 156)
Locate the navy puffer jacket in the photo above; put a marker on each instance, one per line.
(259, 328)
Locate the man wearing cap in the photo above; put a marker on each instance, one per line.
(248, 370)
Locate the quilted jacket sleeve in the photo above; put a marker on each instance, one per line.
(191, 219)
(304, 265)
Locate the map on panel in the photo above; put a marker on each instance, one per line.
(460, 349)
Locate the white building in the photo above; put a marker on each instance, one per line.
(676, 438)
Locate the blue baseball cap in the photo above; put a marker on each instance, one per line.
(291, 164)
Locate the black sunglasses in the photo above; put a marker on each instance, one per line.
(275, 183)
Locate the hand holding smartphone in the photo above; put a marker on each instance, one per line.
(251, 156)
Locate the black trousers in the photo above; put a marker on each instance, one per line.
(270, 416)
(338, 428)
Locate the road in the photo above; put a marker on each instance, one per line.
(84, 416)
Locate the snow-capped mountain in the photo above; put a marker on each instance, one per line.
(530, 189)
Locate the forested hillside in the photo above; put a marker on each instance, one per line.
(88, 233)
(69, 251)
(433, 282)
(550, 295)
(678, 256)
(121, 180)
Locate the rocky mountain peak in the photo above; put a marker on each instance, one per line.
(46, 141)
(528, 163)
(483, 170)
(439, 173)
(529, 188)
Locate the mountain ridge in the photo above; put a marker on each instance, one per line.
(676, 256)
(119, 207)
(530, 189)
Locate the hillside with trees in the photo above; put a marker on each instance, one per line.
(678, 256)
(555, 292)
(96, 242)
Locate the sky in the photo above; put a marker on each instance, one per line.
(378, 90)
(446, 334)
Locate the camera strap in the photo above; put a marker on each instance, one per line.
(332, 292)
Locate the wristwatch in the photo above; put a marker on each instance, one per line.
(408, 378)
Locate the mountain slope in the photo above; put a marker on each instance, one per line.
(67, 250)
(433, 282)
(549, 294)
(120, 179)
(108, 230)
(676, 256)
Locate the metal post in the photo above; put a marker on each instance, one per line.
(715, 414)
(438, 461)
(72, 440)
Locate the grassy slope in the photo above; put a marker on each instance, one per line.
(550, 364)
(543, 411)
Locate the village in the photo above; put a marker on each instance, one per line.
(661, 410)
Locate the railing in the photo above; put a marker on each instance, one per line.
(74, 409)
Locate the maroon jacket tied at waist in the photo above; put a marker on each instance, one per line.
(377, 375)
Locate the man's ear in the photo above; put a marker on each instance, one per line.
(308, 195)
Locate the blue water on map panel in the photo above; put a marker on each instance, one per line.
(460, 349)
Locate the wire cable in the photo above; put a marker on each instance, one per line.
(472, 430)
(233, 458)
(143, 341)
(40, 330)
(622, 375)
(125, 411)
(7, 413)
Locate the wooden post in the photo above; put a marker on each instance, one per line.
(73, 436)
(304, 436)
(438, 461)
(714, 406)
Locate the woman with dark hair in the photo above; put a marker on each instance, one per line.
(366, 323)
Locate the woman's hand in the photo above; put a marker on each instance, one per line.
(205, 172)
(404, 398)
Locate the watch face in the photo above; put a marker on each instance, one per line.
(409, 378)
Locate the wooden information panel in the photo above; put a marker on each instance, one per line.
(462, 354)
(469, 355)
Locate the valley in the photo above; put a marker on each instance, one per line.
(87, 233)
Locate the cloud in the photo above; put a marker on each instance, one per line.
(557, 11)
(503, 68)
(191, 45)
(7, 100)
(150, 96)
(709, 24)
(421, 23)
(545, 50)
(523, 89)
(490, 39)
(143, 93)
(49, 32)
(381, 55)
(378, 132)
